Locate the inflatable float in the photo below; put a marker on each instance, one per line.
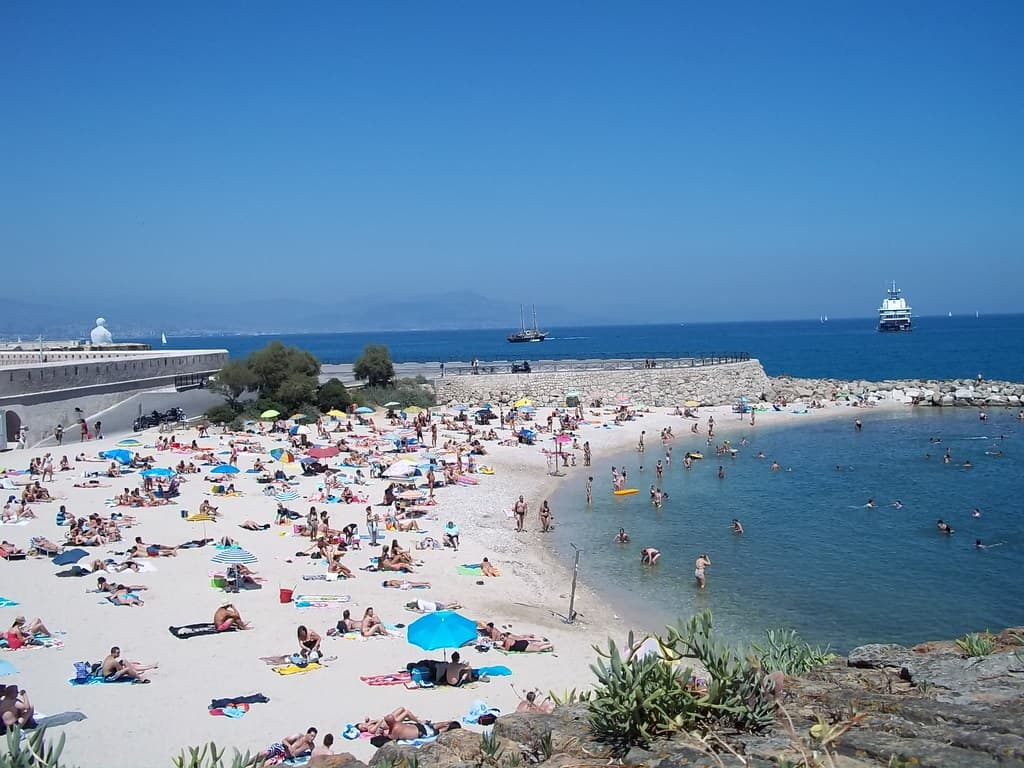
(626, 491)
(485, 471)
(696, 455)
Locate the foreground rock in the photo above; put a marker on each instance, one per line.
(926, 706)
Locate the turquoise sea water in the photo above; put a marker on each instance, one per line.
(813, 557)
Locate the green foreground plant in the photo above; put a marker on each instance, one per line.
(33, 751)
(977, 644)
(785, 651)
(209, 756)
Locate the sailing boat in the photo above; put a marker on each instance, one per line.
(525, 334)
(163, 338)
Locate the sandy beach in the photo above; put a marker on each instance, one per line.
(158, 719)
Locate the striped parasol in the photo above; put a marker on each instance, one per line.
(236, 556)
(287, 496)
(283, 455)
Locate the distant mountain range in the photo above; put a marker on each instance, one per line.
(181, 316)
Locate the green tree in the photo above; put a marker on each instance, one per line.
(297, 390)
(333, 394)
(232, 381)
(276, 363)
(375, 366)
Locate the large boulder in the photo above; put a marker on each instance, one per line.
(880, 656)
(344, 760)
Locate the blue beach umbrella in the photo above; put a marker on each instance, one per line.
(224, 469)
(287, 496)
(526, 409)
(364, 409)
(443, 629)
(130, 442)
(119, 455)
(158, 472)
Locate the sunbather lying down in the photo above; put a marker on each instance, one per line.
(401, 724)
(430, 606)
(7, 549)
(400, 584)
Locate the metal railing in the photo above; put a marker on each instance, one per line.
(569, 366)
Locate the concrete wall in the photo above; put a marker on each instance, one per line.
(655, 387)
(84, 369)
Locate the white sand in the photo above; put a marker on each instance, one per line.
(156, 720)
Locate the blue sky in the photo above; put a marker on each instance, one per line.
(695, 161)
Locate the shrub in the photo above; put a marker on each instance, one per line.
(209, 756)
(783, 650)
(977, 644)
(375, 366)
(33, 751)
(221, 414)
(333, 394)
(404, 393)
(638, 699)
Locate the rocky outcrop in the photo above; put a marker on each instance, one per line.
(888, 705)
(952, 392)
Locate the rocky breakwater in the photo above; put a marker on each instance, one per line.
(885, 705)
(660, 387)
(952, 392)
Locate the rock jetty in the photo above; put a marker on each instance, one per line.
(927, 706)
(948, 393)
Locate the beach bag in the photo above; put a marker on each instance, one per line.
(83, 671)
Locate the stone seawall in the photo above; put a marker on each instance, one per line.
(716, 385)
(952, 392)
(660, 387)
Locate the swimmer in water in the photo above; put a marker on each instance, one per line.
(943, 526)
(649, 555)
(870, 504)
(621, 537)
(721, 472)
(775, 466)
(967, 464)
(898, 504)
(737, 526)
(976, 512)
(978, 544)
(760, 454)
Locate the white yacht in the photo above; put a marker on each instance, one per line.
(894, 314)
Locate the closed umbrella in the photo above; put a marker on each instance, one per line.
(443, 629)
(224, 469)
(271, 414)
(235, 556)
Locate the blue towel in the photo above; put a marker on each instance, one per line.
(494, 671)
(98, 680)
(6, 668)
(5, 603)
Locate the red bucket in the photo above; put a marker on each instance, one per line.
(286, 595)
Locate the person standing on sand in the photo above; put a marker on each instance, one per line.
(698, 569)
(519, 509)
(590, 491)
(545, 517)
(586, 453)
(433, 435)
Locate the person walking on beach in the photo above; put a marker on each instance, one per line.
(58, 434)
(545, 517)
(371, 526)
(640, 445)
(590, 491)
(586, 453)
(98, 430)
(519, 509)
(698, 569)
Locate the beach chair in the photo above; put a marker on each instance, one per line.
(12, 556)
(42, 547)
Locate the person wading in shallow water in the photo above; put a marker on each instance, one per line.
(698, 569)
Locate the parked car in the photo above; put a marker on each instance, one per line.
(523, 367)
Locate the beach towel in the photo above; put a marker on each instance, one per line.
(15, 523)
(6, 668)
(61, 718)
(233, 711)
(295, 669)
(70, 557)
(493, 671)
(97, 680)
(396, 678)
(187, 631)
(252, 698)
(467, 570)
(319, 601)
(5, 603)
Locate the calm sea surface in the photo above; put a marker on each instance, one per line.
(938, 347)
(813, 557)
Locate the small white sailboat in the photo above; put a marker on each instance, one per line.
(163, 338)
(949, 314)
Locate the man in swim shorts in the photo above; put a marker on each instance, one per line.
(698, 569)
(227, 618)
(649, 555)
